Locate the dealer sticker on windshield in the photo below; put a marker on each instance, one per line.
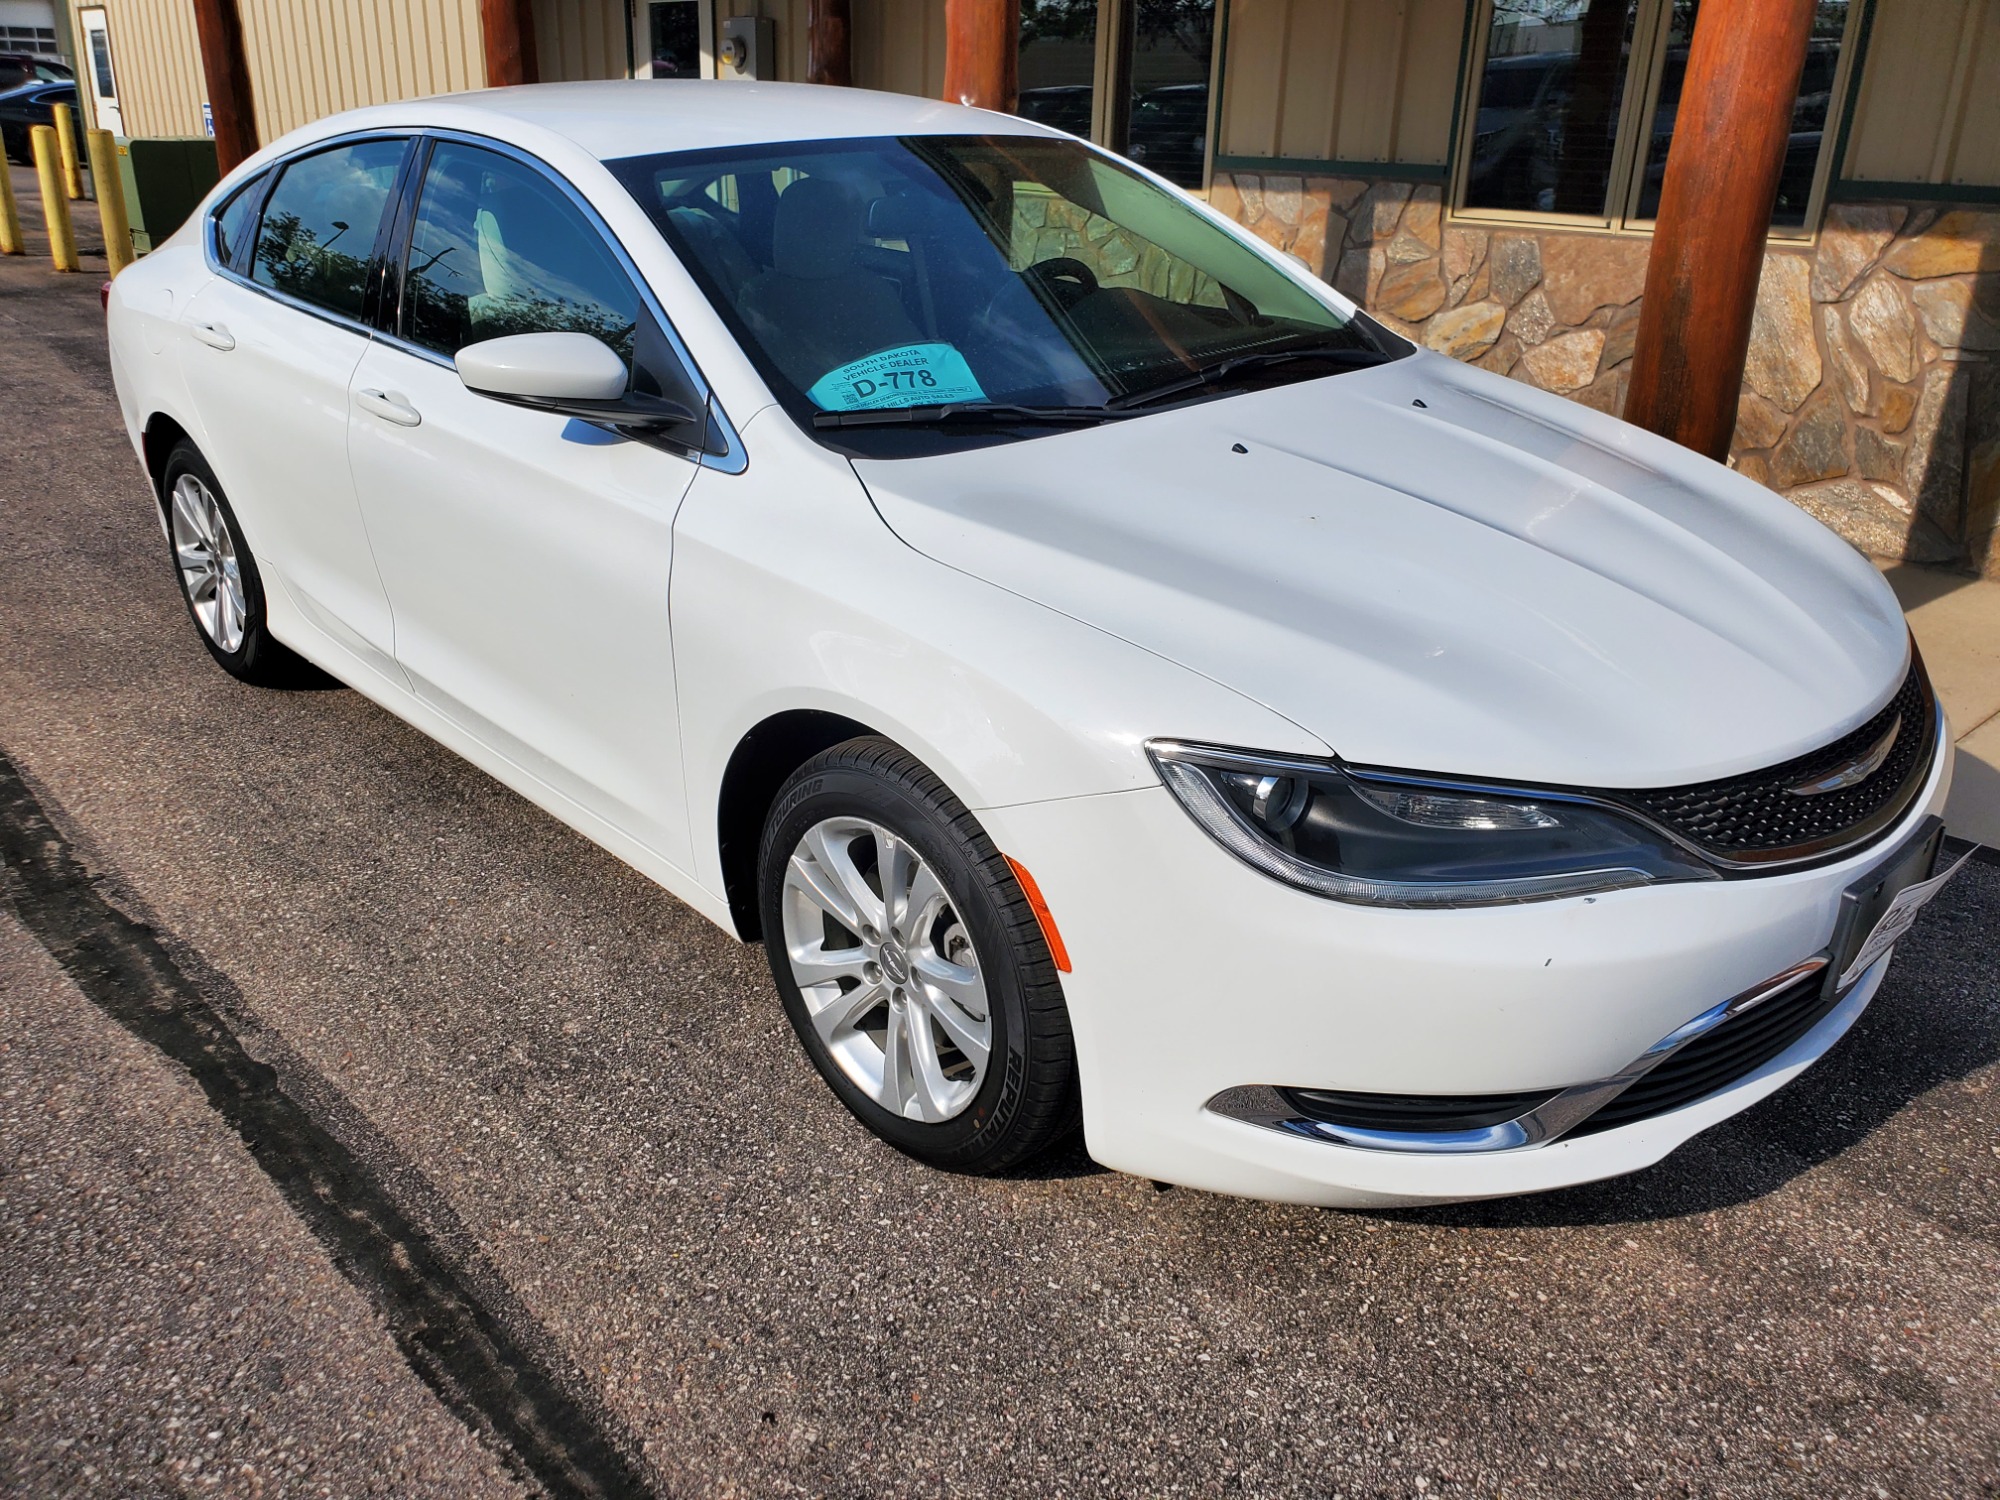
(914, 375)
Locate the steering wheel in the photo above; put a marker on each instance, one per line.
(1064, 278)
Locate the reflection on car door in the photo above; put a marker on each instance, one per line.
(526, 555)
(268, 364)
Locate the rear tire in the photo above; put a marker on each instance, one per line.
(218, 577)
(935, 1015)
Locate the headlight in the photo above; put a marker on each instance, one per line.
(1387, 840)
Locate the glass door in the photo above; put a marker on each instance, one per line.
(1169, 48)
(671, 39)
(1133, 75)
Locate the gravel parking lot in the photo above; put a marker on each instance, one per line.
(365, 1132)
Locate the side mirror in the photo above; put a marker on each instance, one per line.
(543, 367)
(571, 374)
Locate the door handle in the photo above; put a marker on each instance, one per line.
(214, 335)
(389, 406)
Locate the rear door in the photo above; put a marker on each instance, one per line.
(526, 554)
(269, 347)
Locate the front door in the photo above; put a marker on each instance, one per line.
(526, 555)
(103, 83)
(268, 351)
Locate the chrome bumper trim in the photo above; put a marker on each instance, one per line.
(1262, 1105)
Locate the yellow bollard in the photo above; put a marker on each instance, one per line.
(109, 184)
(72, 169)
(55, 207)
(10, 216)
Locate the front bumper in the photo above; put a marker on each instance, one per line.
(1194, 975)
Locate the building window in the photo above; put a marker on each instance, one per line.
(38, 40)
(1571, 108)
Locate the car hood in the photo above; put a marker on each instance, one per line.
(1431, 567)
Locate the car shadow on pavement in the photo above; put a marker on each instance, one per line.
(1936, 1020)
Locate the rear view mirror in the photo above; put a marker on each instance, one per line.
(571, 374)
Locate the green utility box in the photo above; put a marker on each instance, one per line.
(165, 177)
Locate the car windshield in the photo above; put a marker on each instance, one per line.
(878, 280)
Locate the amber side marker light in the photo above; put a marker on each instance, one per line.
(1042, 915)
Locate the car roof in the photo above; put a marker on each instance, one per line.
(637, 117)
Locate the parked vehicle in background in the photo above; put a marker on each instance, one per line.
(1064, 106)
(1169, 132)
(1518, 130)
(26, 106)
(17, 68)
(1113, 676)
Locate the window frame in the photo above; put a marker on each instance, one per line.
(1639, 102)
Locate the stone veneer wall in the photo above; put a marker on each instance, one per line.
(1872, 394)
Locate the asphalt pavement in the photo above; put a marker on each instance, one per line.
(365, 1132)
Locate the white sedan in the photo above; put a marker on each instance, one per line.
(1119, 682)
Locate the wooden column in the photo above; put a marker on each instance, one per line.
(1722, 177)
(507, 28)
(829, 43)
(226, 68)
(982, 52)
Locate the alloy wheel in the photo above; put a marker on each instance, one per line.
(888, 972)
(205, 552)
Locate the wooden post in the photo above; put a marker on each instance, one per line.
(109, 184)
(508, 27)
(225, 66)
(55, 207)
(829, 48)
(1722, 177)
(982, 53)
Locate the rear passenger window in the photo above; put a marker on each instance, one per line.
(319, 226)
(232, 222)
(497, 249)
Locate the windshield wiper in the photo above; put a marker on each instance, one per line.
(1208, 375)
(995, 413)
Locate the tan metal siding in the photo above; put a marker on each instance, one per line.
(1341, 80)
(156, 59)
(312, 60)
(899, 46)
(577, 39)
(1929, 106)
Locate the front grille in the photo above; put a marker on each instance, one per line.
(1717, 1058)
(1423, 1113)
(1755, 817)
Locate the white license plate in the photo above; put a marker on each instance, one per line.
(1896, 919)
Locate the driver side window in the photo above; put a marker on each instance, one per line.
(497, 249)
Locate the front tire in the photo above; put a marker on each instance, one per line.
(910, 964)
(218, 577)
